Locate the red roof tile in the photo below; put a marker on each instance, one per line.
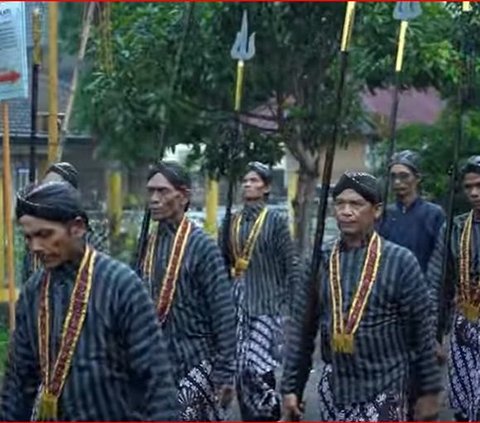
(414, 106)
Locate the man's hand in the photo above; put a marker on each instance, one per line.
(427, 408)
(291, 408)
(225, 395)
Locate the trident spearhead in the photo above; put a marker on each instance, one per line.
(244, 46)
(407, 10)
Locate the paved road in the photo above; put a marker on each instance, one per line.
(311, 399)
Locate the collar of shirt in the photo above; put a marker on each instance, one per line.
(405, 209)
(168, 226)
(65, 272)
(363, 244)
(251, 211)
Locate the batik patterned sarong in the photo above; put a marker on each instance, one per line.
(386, 406)
(197, 397)
(259, 351)
(464, 369)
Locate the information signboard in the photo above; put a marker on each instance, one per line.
(13, 51)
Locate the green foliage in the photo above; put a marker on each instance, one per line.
(69, 28)
(293, 75)
(430, 57)
(4, 337)
(436, 143)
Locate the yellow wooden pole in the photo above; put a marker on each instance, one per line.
(292, 185)
(211, 202)
(2, 237)
(52, 81)
(7, 210)
(115, 205)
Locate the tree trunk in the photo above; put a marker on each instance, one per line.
(303, 208)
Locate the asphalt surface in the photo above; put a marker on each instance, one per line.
(311, 398)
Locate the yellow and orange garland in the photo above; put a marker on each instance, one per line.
(242, 258)
(469, 295)
(54, 381)
(169, 282)
(344, 329)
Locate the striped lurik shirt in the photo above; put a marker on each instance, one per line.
(395, 337)
(120, 368)
(201, 322)
(434, 272)
(273, 273)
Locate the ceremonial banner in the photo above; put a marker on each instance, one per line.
(13, 51)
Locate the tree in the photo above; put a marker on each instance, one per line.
(436, 142)
(293, 74)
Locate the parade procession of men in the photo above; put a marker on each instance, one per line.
(265, 277)
(261, 318)
(185, 275)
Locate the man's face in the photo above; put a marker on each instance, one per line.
(53, 242)
(354, 214)
(52, 177)
(471, 187)
(404, 181)
(165, 201)
(254, 188)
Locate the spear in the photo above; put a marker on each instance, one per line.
(330, 152)
(144, 230)
(404, 12)
(37, 57)
(453, 176)
(243, 49)
(326, 180)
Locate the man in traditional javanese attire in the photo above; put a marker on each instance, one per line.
(464, 273)
(411, 222)
(373, 309)
(97, 234)
(266, 274)
(186, 277)
(98, 239)
(87, 344)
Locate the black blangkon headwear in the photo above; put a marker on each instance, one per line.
(362, 183)
(407, 158)
(54, 201)
(261, 170)
(176, 174)
(67, 171)
(472, 165)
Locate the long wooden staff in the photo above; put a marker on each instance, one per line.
(145, 228)
(242, 50)
(447, 279)
(37, 58)
(324, 194)
(404, 12)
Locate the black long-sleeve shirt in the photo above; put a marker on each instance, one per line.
(273, 274)
(120, 368)
(397, 322)
(435, 266)
(201, 322)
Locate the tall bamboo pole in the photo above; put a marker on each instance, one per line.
(7, 215)
(37, 58)
(52, 81)
(211, 202)
(2, 238)
(87, 24)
